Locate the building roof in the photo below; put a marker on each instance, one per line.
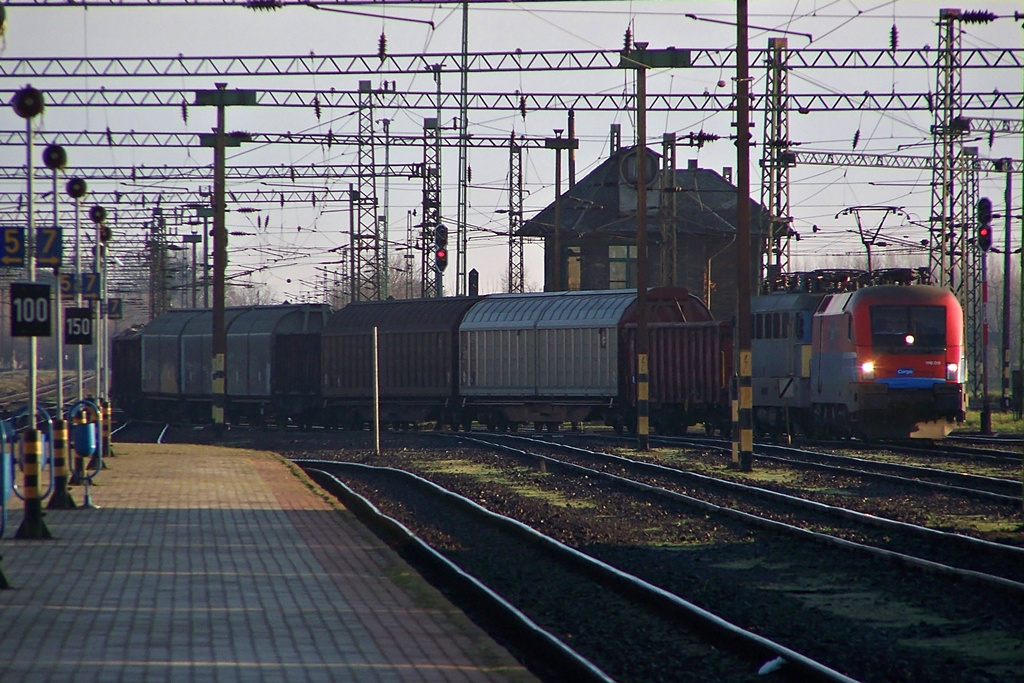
(705, 205)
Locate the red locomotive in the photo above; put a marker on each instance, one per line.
(882, 361)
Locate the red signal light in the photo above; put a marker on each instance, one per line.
(984, 237)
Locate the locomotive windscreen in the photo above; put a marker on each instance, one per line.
(908, 329)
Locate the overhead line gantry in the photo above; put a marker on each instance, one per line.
(239, 66)
(516, 102)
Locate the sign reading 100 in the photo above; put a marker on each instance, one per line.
(30, 309)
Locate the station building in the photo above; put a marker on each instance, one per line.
(691, 230)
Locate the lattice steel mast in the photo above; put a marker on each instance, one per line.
(431, 193)
(776, 160)
(365, 236)
(516, 272)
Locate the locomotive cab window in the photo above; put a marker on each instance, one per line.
(909, 329)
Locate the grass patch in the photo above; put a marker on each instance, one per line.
(519, 479)
(1002, 423)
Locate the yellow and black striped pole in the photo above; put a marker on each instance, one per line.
(61, 498)
(743, 432)
(108, 415)
(32, 526)
(643, 424)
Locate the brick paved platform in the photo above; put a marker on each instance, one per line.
(209, 564)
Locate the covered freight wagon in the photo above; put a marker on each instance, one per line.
(418, 361)
(570, 357)
(125, 371)
(271, 364)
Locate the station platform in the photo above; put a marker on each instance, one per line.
(216, 564)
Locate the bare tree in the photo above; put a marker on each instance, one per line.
(249, 294)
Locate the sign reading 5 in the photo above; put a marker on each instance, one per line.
(67, 286)
(13, 253)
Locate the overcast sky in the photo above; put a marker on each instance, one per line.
(306, 233)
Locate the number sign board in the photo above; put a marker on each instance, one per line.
(67, 286)
(78, 326)
(115, 309)
(91, 285)
(49, 246)
(13, 253)
(30, 309)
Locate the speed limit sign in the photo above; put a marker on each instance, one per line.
(78, 326)
(30, 309)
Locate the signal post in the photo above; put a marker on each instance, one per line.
(30, 317)
(984, 242)
(440, 256)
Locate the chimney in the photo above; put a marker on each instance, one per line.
(727, 173)
(691, 165)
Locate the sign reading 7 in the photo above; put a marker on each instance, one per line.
(49, 246)
(91, 285)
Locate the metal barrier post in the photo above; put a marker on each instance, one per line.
(93, 405)
(61, 499)
(6, 486)
(32, 526)
(85, 439)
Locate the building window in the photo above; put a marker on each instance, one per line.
(573, 267)
(622, 267)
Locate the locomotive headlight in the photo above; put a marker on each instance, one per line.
(909, 340)
(952, 371)
(867, 370)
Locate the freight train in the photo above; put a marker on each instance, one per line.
(876, 362)
(501, 360)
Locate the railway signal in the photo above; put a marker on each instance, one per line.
(984, 237)
(440, 247)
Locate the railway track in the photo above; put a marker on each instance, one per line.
(9, 402)
(996, 441)
(964, 557)
(952, 480)
(631, 629)
(871, 615)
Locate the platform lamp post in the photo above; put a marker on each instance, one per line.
(76, 189)
(641, 59)
(98, 215)
(30, 314)
(56, 159)
(219, 140)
